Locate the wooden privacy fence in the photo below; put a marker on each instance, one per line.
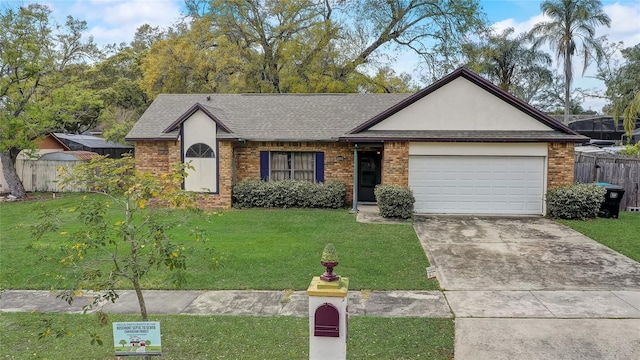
(42, 175)
(614, 169)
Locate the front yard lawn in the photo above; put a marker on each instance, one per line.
(262, 249)
(226, 337)
(621, 235)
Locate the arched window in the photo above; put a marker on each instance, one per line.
(200, 150)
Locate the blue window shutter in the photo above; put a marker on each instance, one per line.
(264, 165)
(319, 166)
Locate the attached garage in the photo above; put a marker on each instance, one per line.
(470, 148)
(478, 178)
(477, 184)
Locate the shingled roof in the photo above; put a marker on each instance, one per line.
(267, 117)
(325, 117)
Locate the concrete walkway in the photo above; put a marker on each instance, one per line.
(430, 304)
(231, 302)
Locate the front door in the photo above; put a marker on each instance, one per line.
(369, 174)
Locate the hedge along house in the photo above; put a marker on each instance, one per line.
(462, 144)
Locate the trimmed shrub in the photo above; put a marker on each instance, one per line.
(395, 201)
(577, 201)
(289, 194)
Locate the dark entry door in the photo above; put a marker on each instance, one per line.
(369, 174)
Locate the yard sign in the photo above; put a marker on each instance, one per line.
(137, 338)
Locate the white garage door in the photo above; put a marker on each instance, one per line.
(477, 184)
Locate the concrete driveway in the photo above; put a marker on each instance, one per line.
(527, 253)
(529, 288)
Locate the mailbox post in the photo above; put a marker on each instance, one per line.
(328, 319)
(328, 311)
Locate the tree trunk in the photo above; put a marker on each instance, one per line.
(143, 306)
(8, 159)
(568, 77)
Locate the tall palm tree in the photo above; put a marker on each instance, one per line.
(511, 63)
(571, 31)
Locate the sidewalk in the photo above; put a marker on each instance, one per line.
(428, 304)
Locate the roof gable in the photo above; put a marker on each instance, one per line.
(51, 141)
(462, 101)
(192, 110)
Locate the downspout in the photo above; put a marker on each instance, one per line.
(354, 209)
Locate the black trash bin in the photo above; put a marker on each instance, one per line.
(610, 208)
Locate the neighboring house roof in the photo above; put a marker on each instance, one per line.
(596, 123)
(89, 141)
(69, 155)
(329, 117)
(575, 117)
(50, 142)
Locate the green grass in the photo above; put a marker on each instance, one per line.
(219, 337)
(262, 249)
(621, 235)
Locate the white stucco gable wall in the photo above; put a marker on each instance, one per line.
(199, 128)
(461, 105)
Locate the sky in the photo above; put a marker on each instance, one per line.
(115, 21)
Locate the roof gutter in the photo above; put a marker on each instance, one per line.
(465, 140)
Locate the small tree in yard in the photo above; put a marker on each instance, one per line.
(133, 246)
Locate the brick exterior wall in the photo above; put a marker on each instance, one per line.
(156, 157)
(560, 165)
(241, 162)
(395, 163)
(247, 160)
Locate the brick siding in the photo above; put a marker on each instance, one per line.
(395, 163)
(338, 160)
(156, 157)
(241, 162)
(561, 164)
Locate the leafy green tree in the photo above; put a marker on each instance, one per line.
(623, 89)
(511, 62)
(571, 31)
(34, 88)
(192, 60)
(102, 253)
(303, 46)
(116, 80)
(435, 30)
(73, 108)
(123, 342)
(387, 81)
